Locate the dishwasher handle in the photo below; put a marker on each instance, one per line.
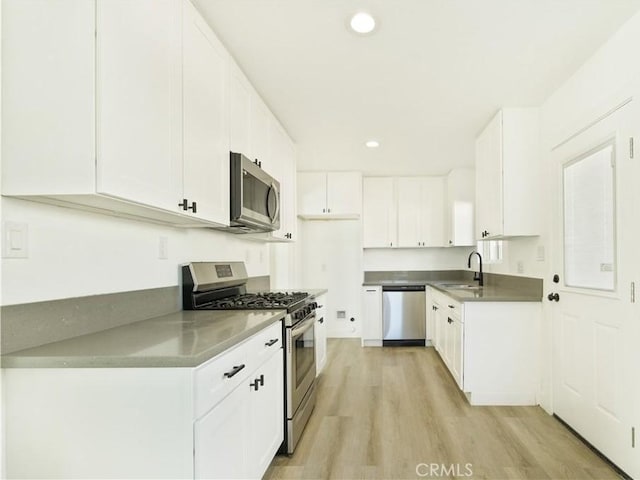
(404, 288)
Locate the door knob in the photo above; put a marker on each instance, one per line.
(553, 297)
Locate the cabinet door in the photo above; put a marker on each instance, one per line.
(239, 112)
(379, 212)
(260, 132)
(312, 193)
(321, 336)
(457, 352)
(283, 169)
(489, 179)
(139, 101)
(220, 438)
(344, 193)
(372, 316)
(48, 104)
(432, 215)
(206, 135)
(410, 211)
(266, 415)
(459, 212)
(440, 328)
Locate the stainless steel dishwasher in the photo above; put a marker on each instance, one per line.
(403, 315)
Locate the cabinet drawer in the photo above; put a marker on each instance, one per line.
(266, 343)
(453, 308)
(219, 376)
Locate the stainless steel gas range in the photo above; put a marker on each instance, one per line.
(222, 286)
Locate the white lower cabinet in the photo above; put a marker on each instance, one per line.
(209, 422)
(491, 349)
(372, 316)
(220, 437)
(320, 333)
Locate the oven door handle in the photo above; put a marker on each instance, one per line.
(303, 327)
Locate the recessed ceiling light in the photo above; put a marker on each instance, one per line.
(372, 144)
(362, 22)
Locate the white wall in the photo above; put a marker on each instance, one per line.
(74, 253)
(331, 257)
(416, 259)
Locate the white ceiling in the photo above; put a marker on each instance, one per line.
(424, 84)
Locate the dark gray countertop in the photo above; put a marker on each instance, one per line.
(180, 339)
(497, 288)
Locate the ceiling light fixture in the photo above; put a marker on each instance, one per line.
(372, 144)
(362, 23)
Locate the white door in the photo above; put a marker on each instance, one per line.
(595, 234)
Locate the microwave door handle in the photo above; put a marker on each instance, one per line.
(274, 189)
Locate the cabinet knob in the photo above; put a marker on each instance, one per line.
(193, 207)
(553, 297)
(328, 210)
(184, 204)
(261, 380)
(449, 320)
(324, 210)
(255, 384)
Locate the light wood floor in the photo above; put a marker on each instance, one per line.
(383, 411)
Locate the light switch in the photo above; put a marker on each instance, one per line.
(163, 248)
(15, 240)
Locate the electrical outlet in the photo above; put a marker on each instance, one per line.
(163, 248)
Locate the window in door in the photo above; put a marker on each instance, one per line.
(589, 219)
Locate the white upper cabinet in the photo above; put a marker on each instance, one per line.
(329, 195)
(420, 212)
(259, 128)
(125, 83)
(206, 135)
(459, 213)
(379, 212)
(256, 133)
(240, 94)
(139, 110)
(139, 101)
(508, 175)
(284, 170)
(406, 212)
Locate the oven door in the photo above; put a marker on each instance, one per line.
(301, 362)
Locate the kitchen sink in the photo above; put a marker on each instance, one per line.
(460, 286)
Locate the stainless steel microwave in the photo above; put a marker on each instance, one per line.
(255, 197)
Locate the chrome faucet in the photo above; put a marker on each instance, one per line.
(477, 275)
